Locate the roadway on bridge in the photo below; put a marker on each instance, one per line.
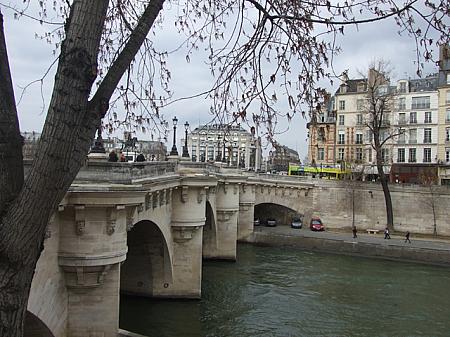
(396, 240)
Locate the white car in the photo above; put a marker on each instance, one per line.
(271, 222)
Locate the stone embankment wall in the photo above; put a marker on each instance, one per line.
(336, 202)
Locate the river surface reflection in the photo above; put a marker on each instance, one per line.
(283, 292)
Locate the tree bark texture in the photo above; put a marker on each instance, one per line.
(385, 185)
(11, 161)
(67, 135)
(64, 143)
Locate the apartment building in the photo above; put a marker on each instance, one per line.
(416, 116)
(443, 148)
(230, 144)
(322, 135)
(353, 137)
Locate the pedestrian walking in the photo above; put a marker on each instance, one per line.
(354, 231)
(386, 233)
(407, 237)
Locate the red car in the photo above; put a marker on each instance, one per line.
(316, 225)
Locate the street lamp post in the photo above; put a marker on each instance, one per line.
(174, 151)
(223, 158)
(185, 147)
(218, 156)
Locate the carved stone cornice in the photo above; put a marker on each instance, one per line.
(184, 233)
(224, 215)
(85, 276)
(244, 206)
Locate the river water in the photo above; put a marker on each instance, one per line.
(284, 292)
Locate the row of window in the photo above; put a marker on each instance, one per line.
(401, 139)
(401, 155)
(402, 118)
(421, 102)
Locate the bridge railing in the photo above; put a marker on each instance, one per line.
(123, 173)
(208, 167)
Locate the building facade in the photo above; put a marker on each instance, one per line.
(416, 124)
(322, 135)
(443, 151)
(223, 143)
(280, 158)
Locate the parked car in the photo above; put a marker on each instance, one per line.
(296, 223)
(256, 222)
(271, 222)
(316, 224)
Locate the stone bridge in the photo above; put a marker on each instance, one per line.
(142, 229)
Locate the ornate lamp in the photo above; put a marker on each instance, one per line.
(185, 147)
(174, 151)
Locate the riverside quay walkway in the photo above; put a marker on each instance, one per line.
(422, 249)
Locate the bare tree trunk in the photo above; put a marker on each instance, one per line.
(11, 161)
(385, 185)
(433, 207)
(67, 135)
(56, 164)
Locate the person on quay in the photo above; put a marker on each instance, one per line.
(407, 237)
(386, 233)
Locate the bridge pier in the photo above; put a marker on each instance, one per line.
(246, 211)
(188, 219)
(227, 208)
(92, 246)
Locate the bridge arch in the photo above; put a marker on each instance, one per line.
(34, 327)
(148, 269)
(283, 214)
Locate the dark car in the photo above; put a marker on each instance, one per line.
(296, 223)
(316, 224)
(271, 222)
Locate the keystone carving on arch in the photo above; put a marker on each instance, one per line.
(130, 218)
(169, 198)
(148, 201)
(243, 187)
(235, 189)
(80, 220)
(225, 187)
(111, 226)
(201, 193)
(184, 194)
(162, 198)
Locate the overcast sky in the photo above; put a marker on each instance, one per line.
(31, 57)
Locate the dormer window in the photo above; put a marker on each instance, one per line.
(402, 88)
(360, 87)
(343, 89)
